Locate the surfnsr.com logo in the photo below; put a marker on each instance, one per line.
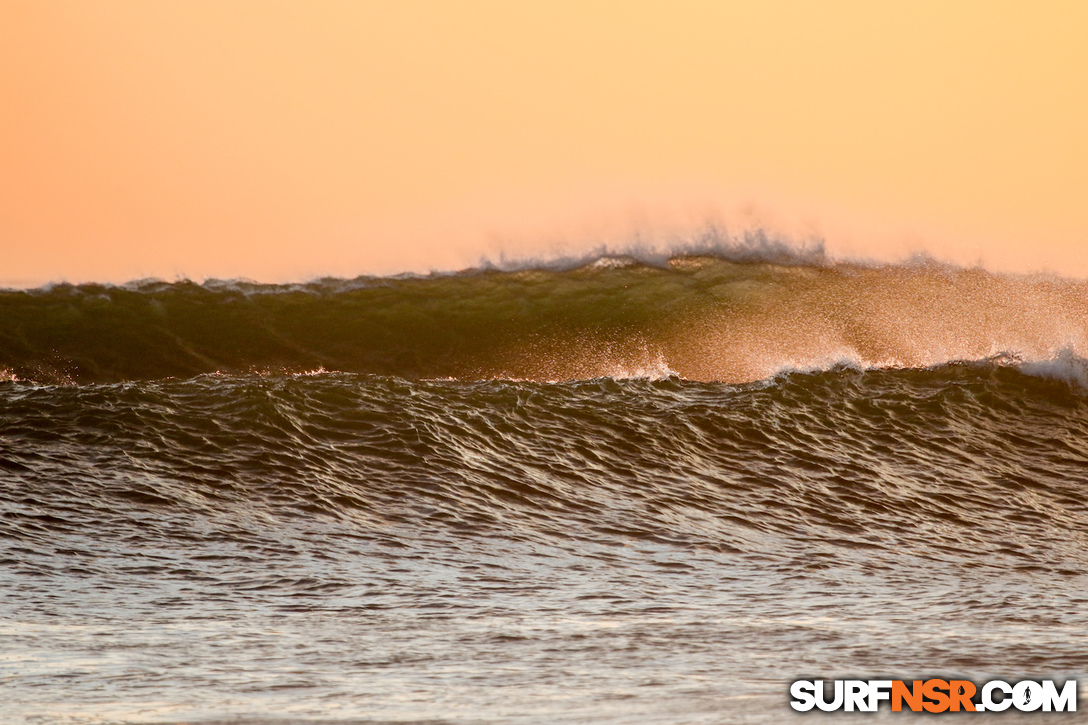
(934, 696)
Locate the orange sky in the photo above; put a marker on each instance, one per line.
(277, 140)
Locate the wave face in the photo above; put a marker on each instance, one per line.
(709, 318)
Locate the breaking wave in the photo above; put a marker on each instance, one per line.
(631, 488)
(734, 317)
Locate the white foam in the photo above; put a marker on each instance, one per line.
(656, 369)
(1066, 365)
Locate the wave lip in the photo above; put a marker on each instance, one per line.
(735, 317)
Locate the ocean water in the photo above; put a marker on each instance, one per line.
(625, 491)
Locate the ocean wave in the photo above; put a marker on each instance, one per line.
(735, 317)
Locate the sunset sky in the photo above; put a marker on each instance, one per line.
(280, 141)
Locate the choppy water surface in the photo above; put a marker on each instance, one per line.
(341, 546)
